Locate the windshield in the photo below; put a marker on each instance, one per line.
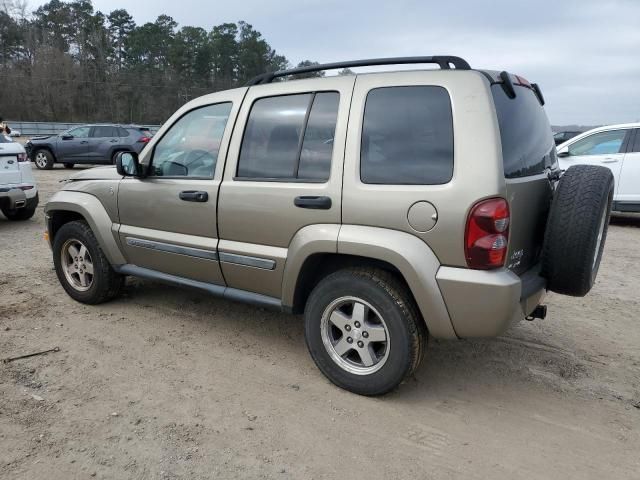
(5, 139)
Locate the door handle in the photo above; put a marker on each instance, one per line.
(610, 160)
(84, 141)
(114, 141)
(314, 203)
(194, 196)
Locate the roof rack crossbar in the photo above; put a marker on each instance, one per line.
(443, 61)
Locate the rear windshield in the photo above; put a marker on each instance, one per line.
(527, 142)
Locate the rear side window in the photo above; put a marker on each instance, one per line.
(103, 132)
(290, 137)
(123, 132)
(527, 142)
(407, 136)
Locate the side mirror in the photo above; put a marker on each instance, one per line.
(67, 137)
(564, 154)
(127, 164)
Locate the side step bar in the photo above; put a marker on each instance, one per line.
(251, 298)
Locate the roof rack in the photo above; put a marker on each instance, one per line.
(444, 61)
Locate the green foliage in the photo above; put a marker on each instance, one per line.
(68, 62)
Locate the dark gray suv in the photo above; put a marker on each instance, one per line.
(87, 144)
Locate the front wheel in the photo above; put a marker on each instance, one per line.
(43, 160)
(82, 268)
(363, 330)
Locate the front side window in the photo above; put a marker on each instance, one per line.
(290, 137)
(603, 143)
(80, 132)
(407, 136)
(190, 147)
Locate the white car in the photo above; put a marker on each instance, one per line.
(616, 147)
(18, 190)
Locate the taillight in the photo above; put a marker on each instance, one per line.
(487, 234)
(22, 157)
(145, 139)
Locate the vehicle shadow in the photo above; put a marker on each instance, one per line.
(625, 220)
(518, 358)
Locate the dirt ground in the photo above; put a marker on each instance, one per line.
(168, 383)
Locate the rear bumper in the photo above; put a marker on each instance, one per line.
(12, 198)
(486, 303)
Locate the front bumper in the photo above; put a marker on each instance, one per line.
(484, 303)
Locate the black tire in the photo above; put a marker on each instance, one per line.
(407, 334)
(69, 165)
(47, 159)
(579, 216)
(106, 283)
(19, 214)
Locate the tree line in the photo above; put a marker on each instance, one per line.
(67, 62)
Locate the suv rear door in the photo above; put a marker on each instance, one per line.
(284, 172)
(102, 140)
(528, 154)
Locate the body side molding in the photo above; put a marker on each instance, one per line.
(213, 289)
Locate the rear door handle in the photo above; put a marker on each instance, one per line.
(84, 141)
(314, 203)
(610, 160)
(194, 196)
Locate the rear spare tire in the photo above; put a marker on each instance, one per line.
(577, 229)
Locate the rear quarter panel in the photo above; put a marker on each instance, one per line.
(477, 170)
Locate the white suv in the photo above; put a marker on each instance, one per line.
(18, 190)
(616, 147)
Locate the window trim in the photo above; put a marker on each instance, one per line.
(453, 143)
(633, 141)
(296, 179)
(186, 177)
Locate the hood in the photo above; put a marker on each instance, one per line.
(96, 173)
(41, 137)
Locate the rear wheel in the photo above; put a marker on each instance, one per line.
(577, 229)
(82, 267)
(43, 159)
(364, 331)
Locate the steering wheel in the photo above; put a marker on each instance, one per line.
(198, 158)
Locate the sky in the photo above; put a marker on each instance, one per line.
(584, 54)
